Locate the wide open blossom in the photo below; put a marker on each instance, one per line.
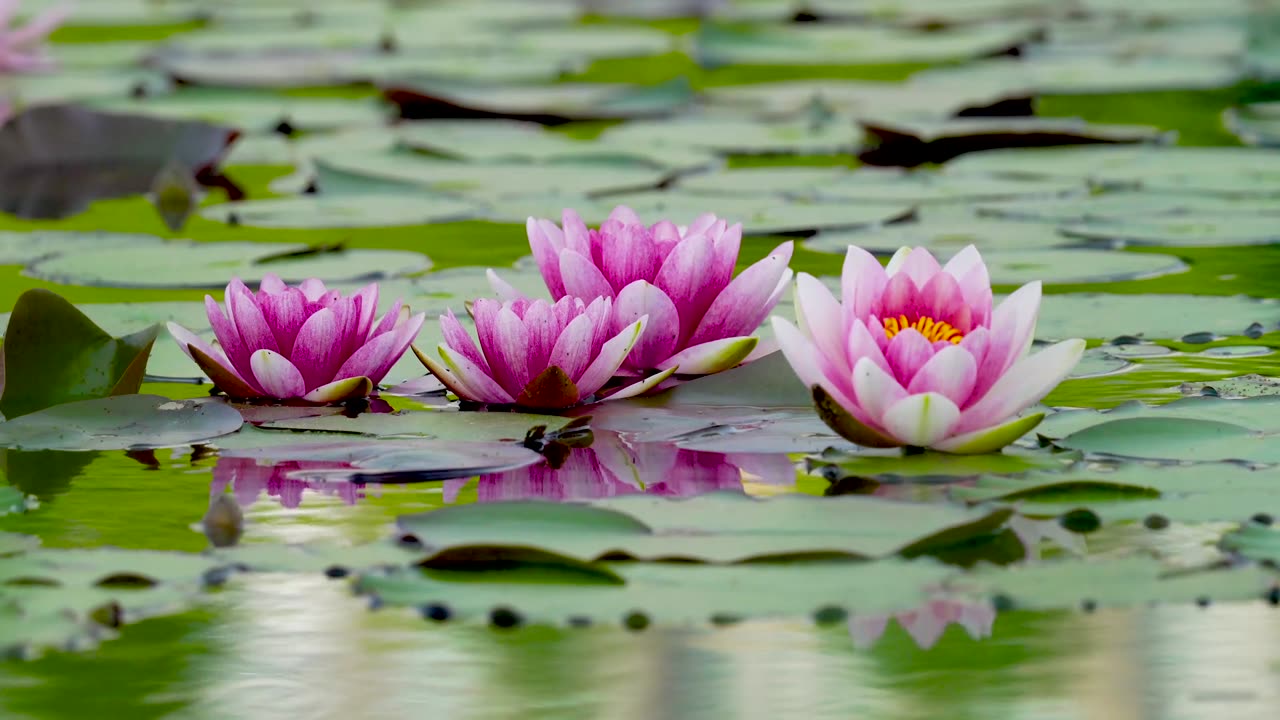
(916, 356)
(22, 49)
(305, 342)
(700, 316)
(536, 354)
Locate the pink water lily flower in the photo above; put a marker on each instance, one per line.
(305, 342)
(700, 316)
(916, 356)
(536, 354)
(22, 49)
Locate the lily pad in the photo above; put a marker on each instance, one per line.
(326, 211)
(1121, 205)
(1194, 230)
(208, 265)
(53, 354)
(546, 104)
(780, 217)
(1093, 315)
(254, 112)
(389, 460)
(125, 422)
(733, 528)
(1244, 386)
(438, 424)
(945, 235)
(666, 594)
(737, 135)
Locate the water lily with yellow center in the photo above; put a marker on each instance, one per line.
(916, 356)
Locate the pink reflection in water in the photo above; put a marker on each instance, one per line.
(248, 480)
(612, 466)
(927, 623)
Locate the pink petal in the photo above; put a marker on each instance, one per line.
(803, 355)
(479, 385)
(540, 322)
(712, 356)
(862, 343)
(951, 372)
(187, 339)
(862, 281)
(727, 246)
(228, 338)
(643, 386)
(690, 279)
(743, 305)
(576, 235)
(271, 284)
(821, 318)
(314, 289)
(624, 215)
(572, 350)
(317, 352)
(942, 300)
(1012, 330)
(247, 318)
(658, 342)
(582, 278)
(908, 352)
(629, 256)
(367, 299)
(506, 342)
(901, 297)
(546, 252)
(875, 390)
(969, 270)
(920, 265)
(508, 292)
(397, 314)
(1025, 384)
(701, 224)
(921, 420)
(666, 236)
(277, 376)
(375, 358)
(339, 390)
(284, 312)
(612, 355)
(456, 337)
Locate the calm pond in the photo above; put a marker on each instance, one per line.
(709, 551)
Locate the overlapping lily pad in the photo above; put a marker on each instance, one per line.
(123, 422)
(327, 211)
(548, 104)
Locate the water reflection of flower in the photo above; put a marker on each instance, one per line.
(927, 623)
(249, 479)
(612, 466)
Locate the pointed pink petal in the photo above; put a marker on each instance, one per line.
(508, 354)
(540, 322)
(862, 281)
(624, 216)
(875, 389)
(271, 284)
(901, 297)
(456, 337)
(314, 289)
(802, 355)
(942, 300)
(642, 387)
(546, 252)
(690, 278)
(375, 358)
(727, 246)
(921, 420)
(629, 256)
(479, 385)
(582, 278)
(658, 342)
(576, 235)
(969, 270)
(908, 352)
(743, 305)
(611, 357)
(187, 340)
(284, 312)
(701, 224)
(821, 318)
(572, 351)
(508, 292)
(1012, 330)
(1023, 385)
(711, 357)
(666, 236)
(276, 375)
(367, 298)
(951, 372)
(862, 343)
(396, 315)
(228, 339)
(317, 352)
(920, 265)
(248, 320)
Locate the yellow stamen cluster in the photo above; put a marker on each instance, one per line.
(931, 329)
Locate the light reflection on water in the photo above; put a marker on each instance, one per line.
(305, 648)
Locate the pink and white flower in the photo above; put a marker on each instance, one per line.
(22, 49)
(915, 355)
(306, 342)
(700, 316)
(536, 354)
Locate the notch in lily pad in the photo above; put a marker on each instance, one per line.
(54, 354)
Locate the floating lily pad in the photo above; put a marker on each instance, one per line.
(1252, 385)
(913, 143)
(651, 528)
(390, 460)
(1090, 74)
(77, 85)
(209, 265)
(125, 422)
(439, 424)
(494, 180)
(666, 594)
(737, 135)
(1121, 205)
(547, 104)
(839, 464)
(1124, 583)
(326, 211)
(946, 236)
(1092, 315)
(764, 218)
(1257, 124)
(817, 44)
(57, 159)
(1194, 230)
(859, 98)
(254, 112)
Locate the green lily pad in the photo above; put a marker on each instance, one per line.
(1089, 74)
(439, 424)
(854, 98)
(773, 218)
(1120, 205)
(254, 112)
(1099, 315)
(78, 85)
(944, 235)
(548, 104)
(386, 461)
(1244, 386)
(53, 354)
(732, 528)
(1256, 541)
(1195, 230)
(666, 594)
(125, 422)
(727, 135)
(1257, 124)
(839, 464)
(326, 211)
(209, 265)
(1123, 583)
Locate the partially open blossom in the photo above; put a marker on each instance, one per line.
(22, 49)
(536, 354)
(916, 356)
(305, 342)
(700, 316)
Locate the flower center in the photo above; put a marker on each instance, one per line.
(932, 330)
